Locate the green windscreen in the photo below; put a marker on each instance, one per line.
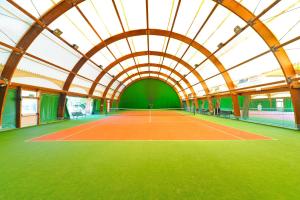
(149, 93)
(96, 106)
(9, 114)
(49, 107)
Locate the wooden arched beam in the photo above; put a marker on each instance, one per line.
(231, 5)
(152, 72)
(156, 32)
(150, 77)
(264, 32)
(143, 53)
(152, 65)
(280, 54)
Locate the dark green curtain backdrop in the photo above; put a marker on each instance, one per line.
(49, 107)
(9, 114)
(149, 91)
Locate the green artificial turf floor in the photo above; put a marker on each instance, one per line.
(150, 169)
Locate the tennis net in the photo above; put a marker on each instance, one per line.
(147, 112)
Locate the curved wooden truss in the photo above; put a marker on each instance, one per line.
(148, 72)
(152, 65)
(143, 53)
(151, 77)
(232, 5)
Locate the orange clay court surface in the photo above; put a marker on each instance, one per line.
(150, 125)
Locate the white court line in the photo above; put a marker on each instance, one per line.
(76, 133)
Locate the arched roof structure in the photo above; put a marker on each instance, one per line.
(208, 46)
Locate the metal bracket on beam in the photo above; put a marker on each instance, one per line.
(250, 22)
(3, 81)
(274, 49)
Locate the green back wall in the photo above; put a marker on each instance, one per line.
(49, 107)
(149, 91)
(9, 114)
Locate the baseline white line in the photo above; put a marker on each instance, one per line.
(76, 133)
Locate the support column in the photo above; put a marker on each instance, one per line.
(246, 106)
(101, 105)
(295, 95)
(236, 106)
(196, 104)
(39, 107)
(61, 106)
(210, 105)
(18, 107)
(3, 92)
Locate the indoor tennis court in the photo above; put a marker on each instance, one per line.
(149, 99)
(160, 124)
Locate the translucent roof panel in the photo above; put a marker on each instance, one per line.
(287, 15)
(103, 57)
(139, 43)
(78, 90)
(120, 48)
(293, 50)
(133, 71)
(39, 82)
(50, 48)
(161, 13)
(260, 68)
(156, 43)
(256, 6)
(82, 82)
(129, 11)
(217, 84)
(94, 22)
(193, 56)
(105, 80)
(76, 30)
(246, 45)
(176, 47)
(207, 69)
(13, 23)
(191, 16)
(115, 70)
(36, 7)
(4, 54)
(97, 13)
(89, 70)
(221, 28)
(31, 65)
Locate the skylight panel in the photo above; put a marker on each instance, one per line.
(36, 7)
(246, 45)
(207, 69)
(89, 70)
(50, 48)
(106, 17)
(36, 67)
(13, 23)
(161, 13)
(130, 11)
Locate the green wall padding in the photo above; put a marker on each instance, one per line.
(104, 106)
(9, 114)
(241, 101)
(49, 107)
(96, 106)
(149, 91)
(288, 105)
(226, 103)
(265, 103)
(205, 105)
